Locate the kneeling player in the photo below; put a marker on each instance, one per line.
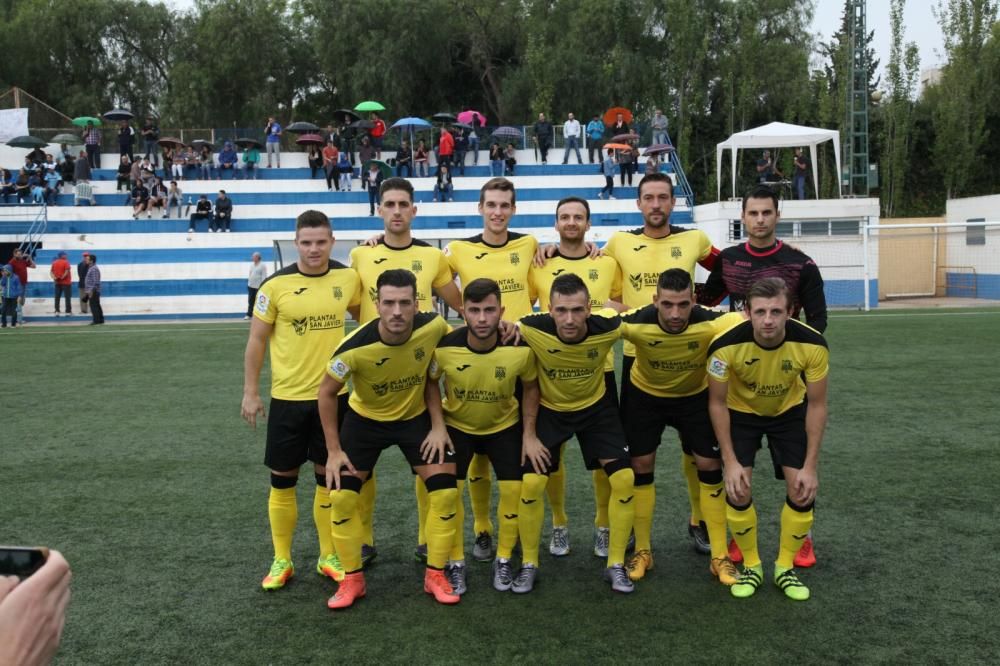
(756, 389)
(669, 388)
(387, 360)
(481, 414)
(571, 344)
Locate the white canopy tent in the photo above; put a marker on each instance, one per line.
(776, 135)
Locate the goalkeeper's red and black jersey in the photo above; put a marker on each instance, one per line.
(738, 267)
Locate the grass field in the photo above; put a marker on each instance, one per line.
(123, 448)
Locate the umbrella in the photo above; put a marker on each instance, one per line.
(67, 138)
(310, 140)
(302, 128)
(659, 149)
(507, 132)
(119, 114)
(26, 142)
(611, 115)
(465, 126)
(382, 166)
(444, 117)
(467, 116)
(411, 123)
(362, 124)
(348, 115)
(244, 142)
(369, 106)
(170, 141)
(198, 143)
(617, 146)
(83, 120)
(624, 138)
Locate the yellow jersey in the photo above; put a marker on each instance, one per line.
(425, 261)
(508, 264)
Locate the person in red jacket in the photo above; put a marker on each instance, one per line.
(377, 132)
(446, 148)
(62, 277)
(20, 263)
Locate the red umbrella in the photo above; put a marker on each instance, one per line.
(310, 140)
(616, 146)
(610, 116)
(467, 116)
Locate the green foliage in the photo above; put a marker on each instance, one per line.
(897, 111)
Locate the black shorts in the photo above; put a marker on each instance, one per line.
(598, 428)
(295, 433)
(645, 417)
(786, 437)
(611, 387)
(627, 362)
(364, 439)
(502, 448)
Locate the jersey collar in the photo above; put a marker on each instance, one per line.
(766, 252)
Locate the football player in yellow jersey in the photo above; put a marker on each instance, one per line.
(643, 254)
(670, 388)
(398, 249)
(603, 277)
(481, 414)
(570, 346)
(768, 377)
(504, 256)
(300, 311)
(387, 360)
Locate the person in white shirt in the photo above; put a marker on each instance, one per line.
(258, 271)
(571, 133)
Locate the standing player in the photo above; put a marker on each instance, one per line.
(603, 277)
(768, 376)
(643, 254)
(397, 249)
(763, 255)
(670, 388)
(570, 345)
(386, 360)
(481, 414)
(505, 256)
(300, 311)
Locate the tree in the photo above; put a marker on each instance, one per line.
(897, 111)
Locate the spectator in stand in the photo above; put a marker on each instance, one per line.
(62, 280)
(652, 164)
(608, 171)
(272, 130)
(11, 291)
(125, 177)
(404, 159)
(496, 159)
(37, 187)
(571, 134)
(477, 128)
(330, 169)
(461, 148)
(251, 160)
(377, 132)
(6, 185)
(67, 169)
(444, 188)
(20, 263)
(53, 181)
(626, 160)
(92, 143)
(205, 162)
(37, 158)
(22, 187)
(179, 161)
(346, 171)
(446, 148)
(372, 181)
(170, 153)
(140, 200)
(228, 160)
(800, 168)
(92, 289)
(223, 213)
(126, 140)
(366, 152)
(330, 135)
(315, 158)
(158, 197)
(49, 162)
(619, 126)
(81, 282)
(543, 136)
(510, 159)
(202, 211)
(258, 272)
(421, 160)
(81, 167)
(150, 136)
(174, 196)
(659, 125)
(766, 170)
(83, 191)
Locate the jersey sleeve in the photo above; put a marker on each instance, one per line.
(707, 253)
(628, 330)
(529, 372)
(434, 369)
(727, 321)
(718, 365)
(355, 299)
(812, 297)
(339, 367)
(714, 289)
(616, 283)
(819, 364)
(265, 308)
(444, 273)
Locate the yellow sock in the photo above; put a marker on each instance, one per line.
(458, 542)
(348, 532)
(507, 517)
(530, 515)
(795, 526)
(283, 512)
(478, 477)
(321, 516)
(645, 502)
(602, 495)
(713, 510)
(621, 513)
(367, 509)
(423, 504)
(743, 525)
(440, 529)
(694, 490)
(556, 491)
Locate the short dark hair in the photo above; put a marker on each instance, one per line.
(499, 183)
(674, 279)
(762, 192)
(396, 183)
(568, 284)
(573, 199)
(312, 219)
(658, 177)
(479, 290)
(769, 287)
(396, 277)
(93, 258)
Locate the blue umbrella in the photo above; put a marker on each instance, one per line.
(410, 123)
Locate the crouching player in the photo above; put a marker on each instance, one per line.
(768, 376)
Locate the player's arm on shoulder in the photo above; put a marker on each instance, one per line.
(433, 448)
(253, 360)
(450, 294)
(532, 448)
(617, 306)
(372, 241)
(543, 253)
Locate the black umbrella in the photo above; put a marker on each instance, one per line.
(507, 132)
(444, 117)
(248, 143)
(465, 126)
(119, 114)
(347, 115)
(362, 124)
(27, 142)
(302, 128)
(198, 143)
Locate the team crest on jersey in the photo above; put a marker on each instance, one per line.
(373, 294)
(417, 266)
(550, 373)
(515, 258)
(381, 389)
(500, 372)
(459, 393)
(263, 302)
(418, 353)
(675, 252)
(592, 353)
(635, 281)
(592, 275)
(693, 345)
(786, 366)
(300, 326)
(338, 293)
